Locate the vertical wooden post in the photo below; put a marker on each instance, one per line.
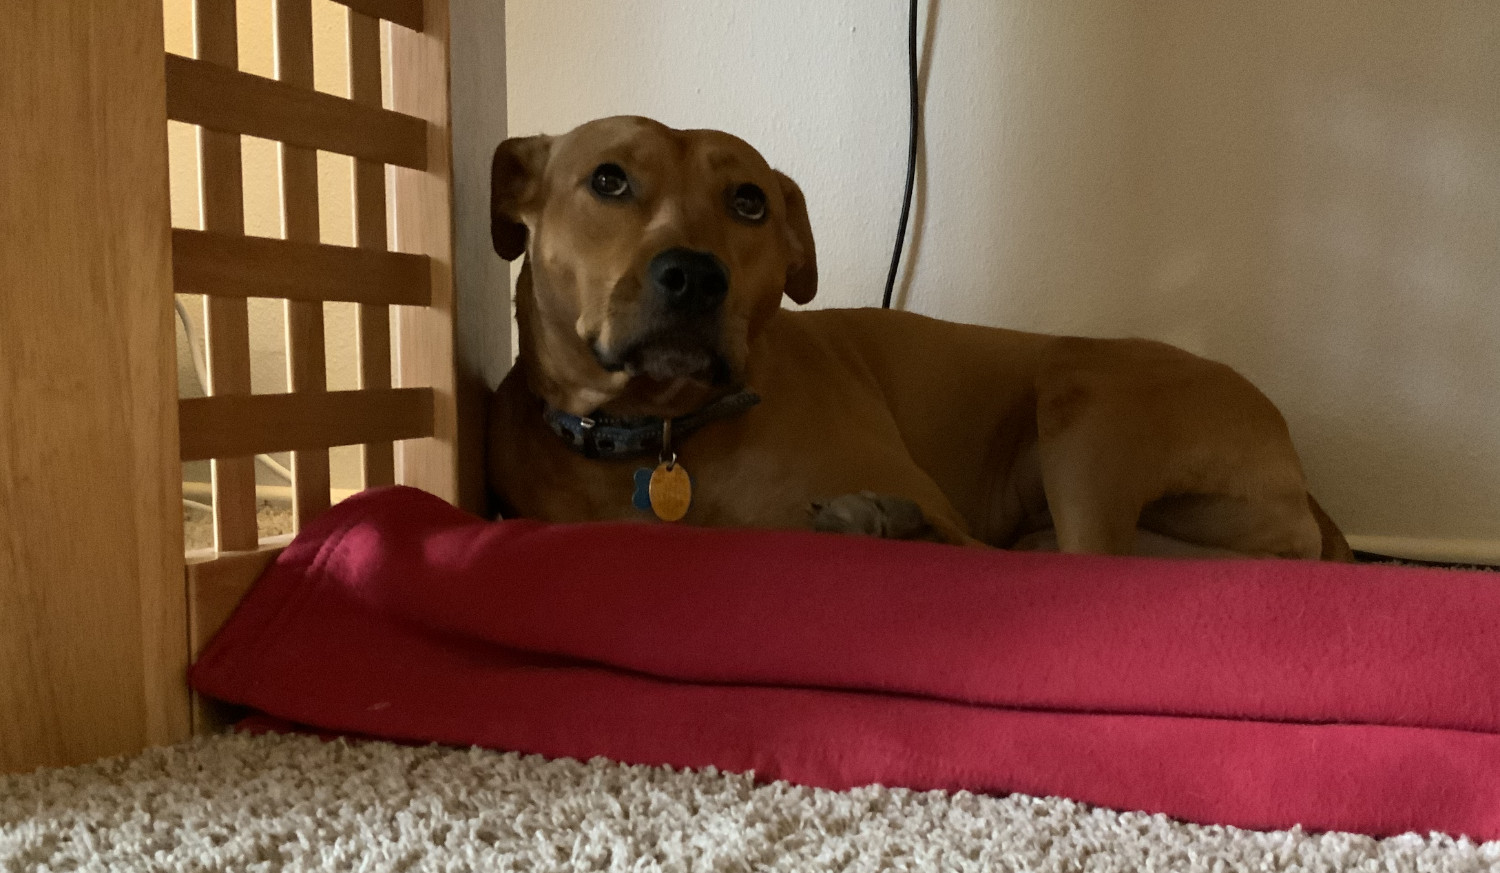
(374, 343)
(460, 346)
(424, 224)
(226, 319)
(92, 625)
(307, 366)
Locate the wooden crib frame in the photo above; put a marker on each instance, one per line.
(100, 611)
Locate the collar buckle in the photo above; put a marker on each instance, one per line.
(590, 439)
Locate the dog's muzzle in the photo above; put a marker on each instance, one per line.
(677, 331)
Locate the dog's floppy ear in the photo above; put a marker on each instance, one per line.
(515, 183)
(802, 272)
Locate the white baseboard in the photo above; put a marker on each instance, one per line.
(1429, 549)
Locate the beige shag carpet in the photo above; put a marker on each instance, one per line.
(270, 803)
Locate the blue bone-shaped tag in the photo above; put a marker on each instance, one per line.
(642, 498)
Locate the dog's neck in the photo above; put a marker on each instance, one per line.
(563, 373)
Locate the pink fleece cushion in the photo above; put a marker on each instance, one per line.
(1254, 693)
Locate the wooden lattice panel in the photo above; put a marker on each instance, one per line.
(226, 266)
(406, 142)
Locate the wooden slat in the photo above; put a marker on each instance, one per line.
(375, 333)
(459, 344)
(92, 614)
(228, 328)
(307, 366)
(215, 427)
(375, 357)
(374, 339)
(407, 13)
(226, 322)
(220, 98)
(215, 585)
(227, 265)
(424, 223)
(217, 581)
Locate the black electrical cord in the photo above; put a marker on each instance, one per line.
(911, 153)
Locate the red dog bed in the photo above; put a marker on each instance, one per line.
(1262, 694)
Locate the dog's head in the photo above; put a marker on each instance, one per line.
(656, 253)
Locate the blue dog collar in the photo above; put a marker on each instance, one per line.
(600, 436)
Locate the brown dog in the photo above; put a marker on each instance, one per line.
(656, 262)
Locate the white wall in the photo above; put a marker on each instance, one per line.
(1307, 191)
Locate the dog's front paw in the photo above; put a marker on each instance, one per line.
(873, 515)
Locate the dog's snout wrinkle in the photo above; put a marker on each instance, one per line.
(689, 281)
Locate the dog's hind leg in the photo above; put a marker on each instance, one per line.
(1095, 489)
(1092, 513)
(1281, 526)
(1335, 546)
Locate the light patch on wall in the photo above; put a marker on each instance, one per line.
(385, 65)
(335, 199)
(255, 24)
(182, 159)
(330, 47)
(346, 469)
(260, 178)
(268, 359)
(177, 16)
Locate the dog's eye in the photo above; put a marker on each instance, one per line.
(748, 202)
(609, 181)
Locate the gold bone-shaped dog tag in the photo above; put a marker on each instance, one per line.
(671, 491)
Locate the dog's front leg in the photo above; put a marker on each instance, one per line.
(886, 516)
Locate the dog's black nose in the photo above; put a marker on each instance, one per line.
(690, 282)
